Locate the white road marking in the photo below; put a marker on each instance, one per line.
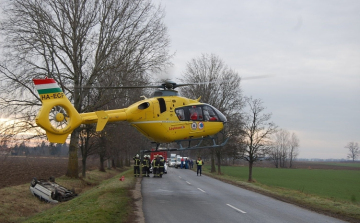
(188, 182)
(201, 190)
(236, 208)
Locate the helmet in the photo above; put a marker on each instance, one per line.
(160, 155)
(137, 156)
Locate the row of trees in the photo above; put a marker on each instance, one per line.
(84, 45)
(80, 44)
(43, 149)
(284, 149)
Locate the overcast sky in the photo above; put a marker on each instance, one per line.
(311, 47)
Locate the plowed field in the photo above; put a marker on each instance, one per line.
(16, 170)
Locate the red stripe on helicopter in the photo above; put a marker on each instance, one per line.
(44, 81)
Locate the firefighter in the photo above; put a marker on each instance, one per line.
(136, 166)
(145, 166)
(148, 166)
(155, 166)
(161, 166)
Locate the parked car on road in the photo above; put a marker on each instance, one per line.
(172, 162)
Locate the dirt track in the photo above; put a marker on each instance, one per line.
(16, 170)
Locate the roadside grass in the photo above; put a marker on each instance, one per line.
(333, 192)
(109, 201)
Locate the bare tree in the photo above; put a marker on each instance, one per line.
(77, 43)
(257, 130)
(284, 149)
(281, 147)
(294, 149)
(221, 90)
(354, 151)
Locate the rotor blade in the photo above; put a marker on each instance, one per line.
(257, 77)
(119, 87)
(172, 85)
(217, 81)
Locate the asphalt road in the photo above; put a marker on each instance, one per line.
(181, 196)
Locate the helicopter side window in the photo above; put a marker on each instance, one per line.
(180, 114)
(209, 114)
(143, 106)
(196, 113)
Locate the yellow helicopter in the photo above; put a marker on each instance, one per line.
(164, 118)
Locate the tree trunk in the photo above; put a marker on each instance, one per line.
(83, 174)
(212, 170)
(73, 169)
(250, 172)
(218, 156)
(101, 167)
(219, 165)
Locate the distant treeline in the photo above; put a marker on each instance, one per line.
(43, 149)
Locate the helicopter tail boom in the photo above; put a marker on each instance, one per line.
(58, 117)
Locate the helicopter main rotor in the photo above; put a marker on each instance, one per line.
(170, 85)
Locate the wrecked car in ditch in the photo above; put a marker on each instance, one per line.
(49, 191)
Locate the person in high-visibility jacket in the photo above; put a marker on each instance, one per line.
(199, 164)
(161, 166)
(136, 165)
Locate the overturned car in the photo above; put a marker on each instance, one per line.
(49, 191)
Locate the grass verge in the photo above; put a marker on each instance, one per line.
(100, 200)
(341, 209)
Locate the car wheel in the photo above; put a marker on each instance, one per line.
(34, 182)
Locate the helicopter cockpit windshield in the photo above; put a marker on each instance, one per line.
(200, 113)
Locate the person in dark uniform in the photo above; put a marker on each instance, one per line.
(199, 164)
(147, 166)
(155, 165)
(144, 166)
(161, 166)
(136, 166)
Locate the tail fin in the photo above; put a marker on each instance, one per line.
(57, 116)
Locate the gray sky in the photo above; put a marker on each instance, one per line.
(311, 47)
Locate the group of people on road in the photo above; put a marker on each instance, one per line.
(158, 164)
(186, 163)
